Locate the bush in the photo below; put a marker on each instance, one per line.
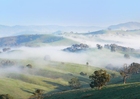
(38, 94)
(83, 74)
(6, 96)
(29, 66)
(74, 83)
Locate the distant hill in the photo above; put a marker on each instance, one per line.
(31, 40)
(96, 32)
(125, 26)
(43, 29)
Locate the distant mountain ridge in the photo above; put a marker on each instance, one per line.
(125, 26)
(43, 29)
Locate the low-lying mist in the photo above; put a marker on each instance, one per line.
(94, 56)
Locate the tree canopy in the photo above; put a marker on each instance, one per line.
(99, 78)
(74, 83)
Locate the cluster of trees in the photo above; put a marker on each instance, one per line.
(115, 47)
(6, 49)
(6, 62)
(76, 47)
(98, 79)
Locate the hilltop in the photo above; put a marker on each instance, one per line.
(125, 26)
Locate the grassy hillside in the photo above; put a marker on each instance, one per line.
(116, 91)
(53, 77)
(50, 77)
(33, 40)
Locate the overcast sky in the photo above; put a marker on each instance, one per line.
(69, 12)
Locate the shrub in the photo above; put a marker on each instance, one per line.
(6, 96)
(74, 83)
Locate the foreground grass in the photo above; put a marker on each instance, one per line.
(117, 91)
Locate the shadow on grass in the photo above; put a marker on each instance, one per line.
(26, 90)
(59, 87)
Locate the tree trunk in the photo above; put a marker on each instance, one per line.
(99, 87)
(124, 79)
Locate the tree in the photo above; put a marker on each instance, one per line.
(99, 78)
(134, 68)
(38, 94)
(74, 83)
(87, 63)
(99, 46)
(126, 56)
(83, 74)
(125, 73)
(29, 66)
(6, 96)
(113, 48)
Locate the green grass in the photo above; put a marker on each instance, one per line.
(117, 91)
(53, 77)
(63, 42)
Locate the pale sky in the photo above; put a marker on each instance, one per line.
(69, 12)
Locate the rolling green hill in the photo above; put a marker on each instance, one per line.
(50, 77)
(53, 79)
(34, 40)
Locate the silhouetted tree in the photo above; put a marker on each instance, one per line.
(74, 83)
(99, 78)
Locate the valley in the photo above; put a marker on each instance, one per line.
(48, 62)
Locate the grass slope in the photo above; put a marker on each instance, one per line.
(118, 91)
(50, 77)
(34, 40)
